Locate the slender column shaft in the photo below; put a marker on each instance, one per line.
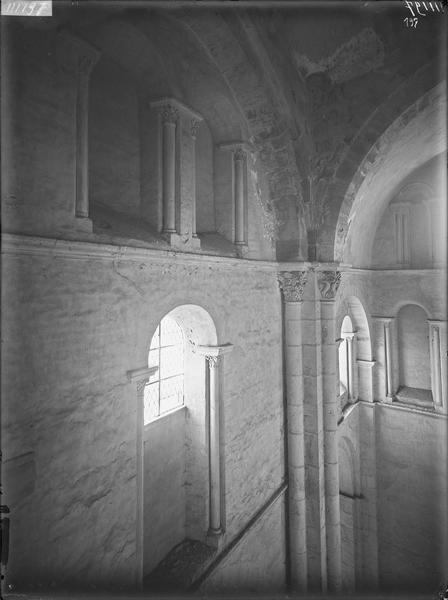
(292, 285)
(332, 503)
(82, 138)
(169, 175)
(435, 364)
(388, 352)
(215, 470)
(140, 377)
(296, 446)
(328, 283)
(140, 480)
(240, 209)
(406, 253)
(194, 128)
(398, 239)
(349, 343)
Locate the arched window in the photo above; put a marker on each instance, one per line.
(346, 359)
(182, 497)
(165, 389)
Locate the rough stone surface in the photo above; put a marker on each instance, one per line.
(257, 563)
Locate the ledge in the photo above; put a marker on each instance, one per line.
(29, 245)
(407, 408)
(23, 245)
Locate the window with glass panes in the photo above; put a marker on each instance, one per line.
(165, 389)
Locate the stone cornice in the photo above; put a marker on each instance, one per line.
(394, 271)
(17, 244)
(22, 245)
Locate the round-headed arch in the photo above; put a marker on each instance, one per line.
(415, 137)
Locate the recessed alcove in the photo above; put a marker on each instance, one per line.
(414, 357)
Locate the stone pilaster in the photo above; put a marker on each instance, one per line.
(292, 285)
(328, 283)
(139, 378)
(365, 379)
(385, 349)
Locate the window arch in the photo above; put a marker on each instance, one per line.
(165, 389)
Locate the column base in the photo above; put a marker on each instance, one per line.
(242, 249)
(84, 224)
(183, 241)
(215, 538)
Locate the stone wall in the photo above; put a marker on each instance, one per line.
(78, 316)
(257, 563)
(412, 505)
(164, 487)
(114, 150)
(402, 450)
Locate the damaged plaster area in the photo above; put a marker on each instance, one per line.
(361, 54)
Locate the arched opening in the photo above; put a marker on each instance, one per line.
(420, 139)
(414, 356)
(176, 491)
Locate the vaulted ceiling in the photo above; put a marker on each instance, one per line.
(313, 86)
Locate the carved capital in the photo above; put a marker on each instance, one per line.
(194, 127)
(328, 283)
(292, 284)
(239, 154)
(140, 385)
(212, 361)
(169, 113)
